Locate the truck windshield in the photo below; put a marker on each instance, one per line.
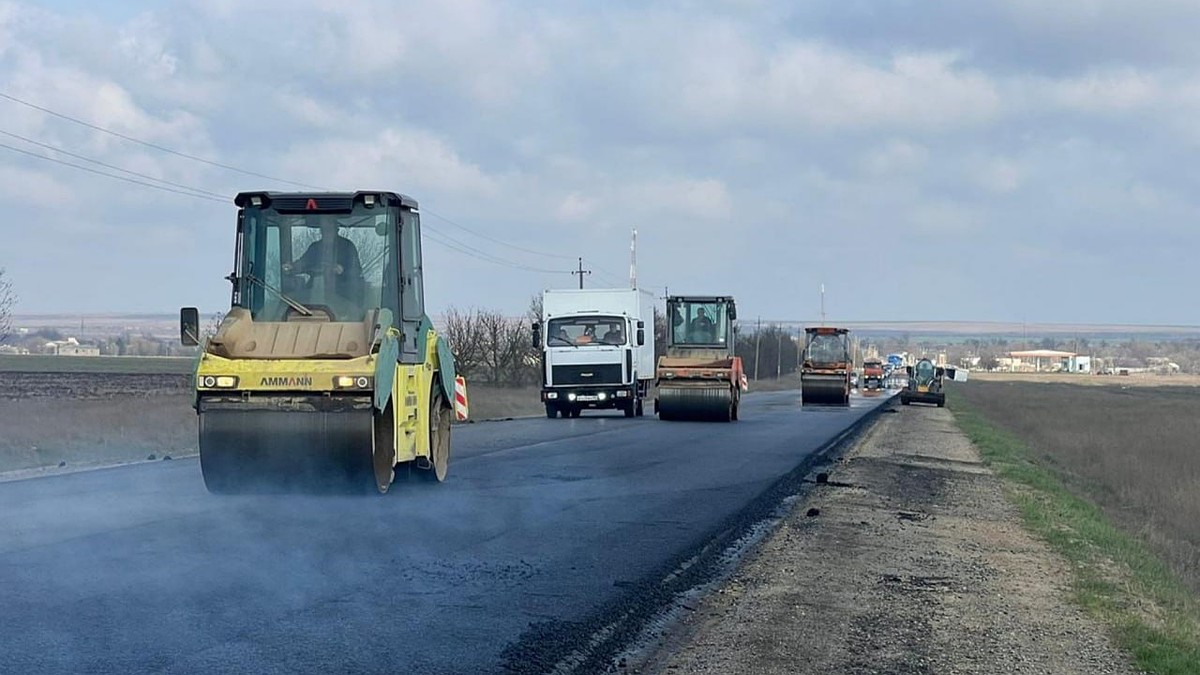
(826, 349)
(331, 264)
(698, 323)
(578, 331)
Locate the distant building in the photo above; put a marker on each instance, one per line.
(70, 347)
(1047, 361)
(1162, 365)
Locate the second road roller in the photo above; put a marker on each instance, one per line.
(825, 373)
(699, 377)
(326, 371)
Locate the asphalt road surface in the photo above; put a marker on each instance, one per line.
(542, 525)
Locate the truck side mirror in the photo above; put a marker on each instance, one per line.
(641, 333)
(189, 326)
(537, 335)
(733, 312)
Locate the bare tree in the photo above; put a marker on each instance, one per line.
(213, 325)
(8, 300)
(462, 332)
(490, 347)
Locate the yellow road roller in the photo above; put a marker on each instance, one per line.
(326, 371)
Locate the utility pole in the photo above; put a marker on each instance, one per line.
(581, 272)
(822, 304)
(779, 355)
(632, 261)
(757, 341)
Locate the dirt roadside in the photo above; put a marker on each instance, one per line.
(915, 563)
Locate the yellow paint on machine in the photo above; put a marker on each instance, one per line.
(308, 375)
(411, 398)
(410, 406)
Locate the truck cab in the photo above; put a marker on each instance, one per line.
(597, 352)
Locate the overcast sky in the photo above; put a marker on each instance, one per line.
(1010, 161)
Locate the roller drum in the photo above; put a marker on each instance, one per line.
(695, 403)
(267, 451)
(823, 390)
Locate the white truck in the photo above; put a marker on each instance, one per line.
(597, 350)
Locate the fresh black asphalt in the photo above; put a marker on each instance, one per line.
(542, 523)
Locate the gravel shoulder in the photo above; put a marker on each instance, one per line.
(910, 560)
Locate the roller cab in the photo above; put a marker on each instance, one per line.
(325, 372)
(699, 377)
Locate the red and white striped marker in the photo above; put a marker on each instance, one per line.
(460, 398)
(745, 383)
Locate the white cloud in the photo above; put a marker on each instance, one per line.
(1123, 90)
(687, 199)
(389, 156)
(576, 207)
(558, 127)
(896, 157)
(999, 175)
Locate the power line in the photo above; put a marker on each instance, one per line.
(495, 239)
(164, 188)
(442, 239)
(148, 144)
(179, 188)
(112, 166)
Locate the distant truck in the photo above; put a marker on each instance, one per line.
(597, 350)
(872, 377)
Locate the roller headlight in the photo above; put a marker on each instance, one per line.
(218, 381)
(352, 382)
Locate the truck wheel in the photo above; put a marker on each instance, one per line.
(641, 408)
(629, 409)
(576, 412)
(551, 411)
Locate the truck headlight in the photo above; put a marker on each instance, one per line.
(570, 397)
(552, 395)
(622, 394)
(601, 396)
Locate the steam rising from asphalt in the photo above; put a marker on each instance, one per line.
(139, 569)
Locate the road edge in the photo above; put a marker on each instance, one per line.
(620, 628)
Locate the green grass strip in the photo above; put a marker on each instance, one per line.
(1117, 579)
